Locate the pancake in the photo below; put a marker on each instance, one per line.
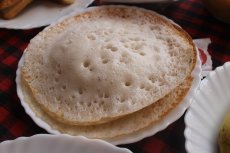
(106, 63)
(129, 124)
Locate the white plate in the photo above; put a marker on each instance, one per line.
(58, 144)
(41, 13)
(139, 1)
(151, 130)
(207, 111)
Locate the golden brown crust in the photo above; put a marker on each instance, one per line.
(13, 11)
(7, 3)
(188, 37)
(179, 94)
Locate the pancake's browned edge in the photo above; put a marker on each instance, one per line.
(181, 91)
(111, 12)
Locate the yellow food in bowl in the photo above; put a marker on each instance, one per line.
(224, 135)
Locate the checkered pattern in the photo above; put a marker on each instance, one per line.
(190, 14)
(13, 120)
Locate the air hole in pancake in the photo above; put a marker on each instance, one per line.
(111, 47)
(57, 98)
(91, 37)
(106, 95)
(41, 62)
(101, 103)
(59, 72)
(105, 109)
(91, 69)
(86, 63)
(152, 78)
(142, 53)
(105, 33)
(155, 28)
(138, 46)
(105, 61)
(64, 87)
(80, 91)
(89, 104)
(51, 88)
(126, 46)
(124, 58)
(73, 96)
(128, 83)
(142, 86)
(107, 40)
(122, 100)
(137, 39)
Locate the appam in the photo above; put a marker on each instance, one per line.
(106, 63)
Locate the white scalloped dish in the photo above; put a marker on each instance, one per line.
(172, 116)
(41, 13)
(207, 112)
(44, 143)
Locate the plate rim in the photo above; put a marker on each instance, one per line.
(44, 23)
(76, 139)
(204, 83)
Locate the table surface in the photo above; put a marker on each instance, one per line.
(191, 15)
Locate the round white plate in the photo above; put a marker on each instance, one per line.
(207, 111)
(44, 143)
(42, 13)
(139, 1)
(131, 138)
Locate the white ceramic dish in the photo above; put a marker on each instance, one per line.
(41, 13)
(207, 111)
(58, 144)
(139, 1)
(151, 130)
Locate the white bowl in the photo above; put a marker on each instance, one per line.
(45, 143)
(207, 111)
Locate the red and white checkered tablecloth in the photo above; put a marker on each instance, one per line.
(191, 15)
